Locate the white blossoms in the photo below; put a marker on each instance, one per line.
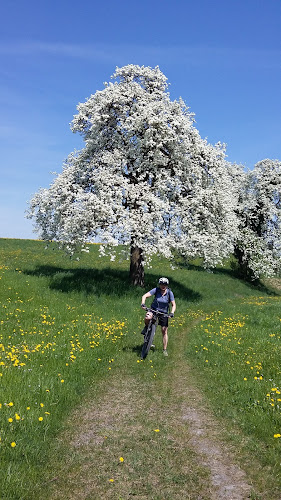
(258, 246)
(145, 178)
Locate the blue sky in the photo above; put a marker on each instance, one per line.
(223, 57)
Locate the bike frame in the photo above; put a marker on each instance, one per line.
(150, 332)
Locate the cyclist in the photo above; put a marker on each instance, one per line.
(163, 296)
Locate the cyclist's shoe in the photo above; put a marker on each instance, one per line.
(152, 346)
(165, 352)
(143, 332)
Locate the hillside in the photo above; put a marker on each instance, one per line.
(83, 417)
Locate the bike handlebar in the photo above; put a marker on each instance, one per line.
(154, 311)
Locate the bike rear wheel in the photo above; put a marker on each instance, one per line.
(148, 339)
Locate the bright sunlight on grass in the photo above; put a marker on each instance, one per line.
(63, 322)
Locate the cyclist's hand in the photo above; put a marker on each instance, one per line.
(143, 306)
(171, 315)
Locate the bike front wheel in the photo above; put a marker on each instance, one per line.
(148, 339)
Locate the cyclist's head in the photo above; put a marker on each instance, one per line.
(163, 281)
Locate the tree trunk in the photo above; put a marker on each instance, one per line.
(243, 264)
(136, 267)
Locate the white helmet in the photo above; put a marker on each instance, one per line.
(163, 281)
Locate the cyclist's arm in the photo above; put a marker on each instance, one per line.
(173, 302)
(144, 297)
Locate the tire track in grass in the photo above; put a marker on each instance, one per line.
(121, 424)
(229, 481)
(188, 411)
(141, 437)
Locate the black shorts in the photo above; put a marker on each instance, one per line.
(162, 320)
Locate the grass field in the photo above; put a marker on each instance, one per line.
(70, 328)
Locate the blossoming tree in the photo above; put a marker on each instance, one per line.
(144, 179)
(258, 247)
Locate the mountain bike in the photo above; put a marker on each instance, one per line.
(150, 331)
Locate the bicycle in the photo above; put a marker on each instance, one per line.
(150, 331)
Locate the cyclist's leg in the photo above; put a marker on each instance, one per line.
(147, 330)
(148, 339)
(165, 337)
(163, 322)
(147, 319)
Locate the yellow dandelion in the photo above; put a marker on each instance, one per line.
(156, 430)
(40, 419)
(121, 459)
(62, 380)
(10, 420)
(277, 435)
(111, 480)
(13, 444)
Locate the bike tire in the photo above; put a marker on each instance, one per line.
(148, 339)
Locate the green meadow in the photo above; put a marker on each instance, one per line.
(70, 329)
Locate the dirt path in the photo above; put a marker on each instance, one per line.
(228, 480)
(162, 429)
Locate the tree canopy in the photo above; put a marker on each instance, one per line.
(258, 246)
(144, 178)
